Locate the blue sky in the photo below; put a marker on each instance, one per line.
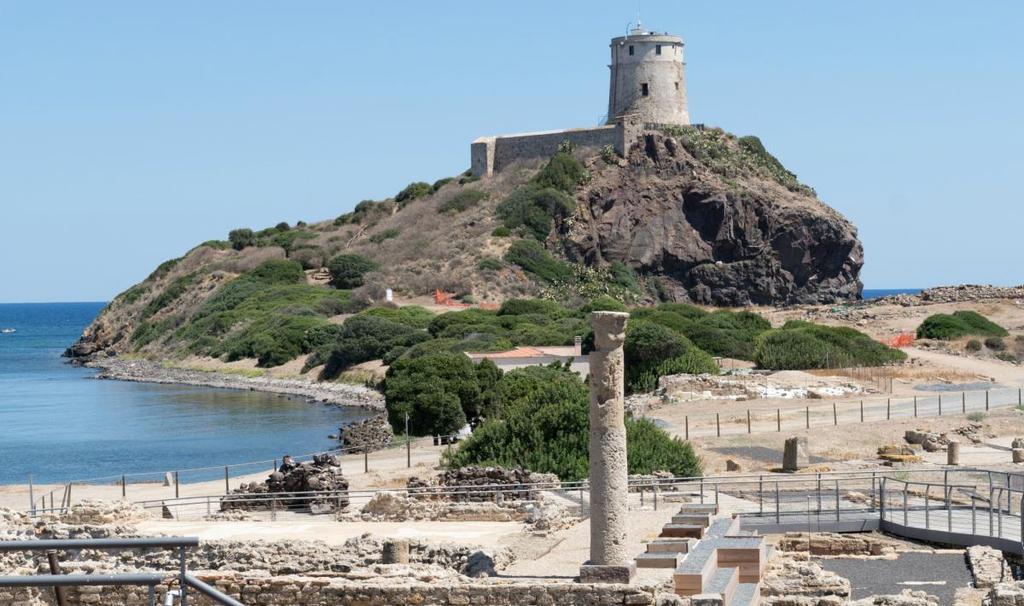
(131, 131)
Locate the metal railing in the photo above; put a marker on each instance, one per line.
(150, 580)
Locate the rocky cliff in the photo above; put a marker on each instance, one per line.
(718, 222)
(689, 214)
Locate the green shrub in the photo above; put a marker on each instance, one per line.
(409, 315)
(441, 183)
(464, 200)
(603, 303)
(947, 327)
(289, 238)
(163, 269)
(1006, 356)
(387, 234)
(721, 333)
(995, 343)
(976, 417)
(282, 226)
(533, 258)
(535, 208)
(563, 172)
(801, 345)
(438, 391)
(175, 289)
(543, 426)
(241, 238)
(518, 307)
(609, 155)
(490, 264)
(467, 179)
(501, 232)
(348, 270)
(652, 351)
(973, 345)
(412, 191)
(368, 337)
(624, 276)
(133, 294)
(216, 244)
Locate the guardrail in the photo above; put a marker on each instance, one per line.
(150, 580)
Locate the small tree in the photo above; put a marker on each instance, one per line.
(241, 238)
(426, 388)
(347, 270)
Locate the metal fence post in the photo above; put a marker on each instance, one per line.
(777, 511)
(702, 492)
(915, 407)
(51, 559)
(986, 399)
(366, 459)
(124, 487)
(837, 499)
(177, 485)
(31, 496)
(687, 427)
(718, 424)
(778, 419)
(963, 402)
(760, 495)
(181, 580)
(949, 511)
(974, 523)
(940, 404)
(862, 411)
(227, 482)
(748, 420)
(927, 510)
(905, 506)
(888, 409)
(835, 415)
(807, 415)
(881, 492)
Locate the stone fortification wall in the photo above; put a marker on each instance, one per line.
(493, 154)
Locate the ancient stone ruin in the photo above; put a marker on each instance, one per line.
(609, 559)
(289, 487)
(480, 484)
(795, 456)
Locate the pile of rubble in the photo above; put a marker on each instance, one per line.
(483, 484)
(792, 580)
(907, 597)
(833, 544)
(988, 566)
(368, 434)
(290, 486)
(743, 385)
(932, 441)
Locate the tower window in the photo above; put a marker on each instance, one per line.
(643, 89)
(677, 86)
(657, 50)
(630, 50)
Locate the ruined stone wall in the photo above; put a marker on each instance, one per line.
(311, 591)
(493, 154)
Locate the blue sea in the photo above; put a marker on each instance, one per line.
(59, 424)
(875, 293)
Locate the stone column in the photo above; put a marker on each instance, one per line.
(953, 453)
(395, 551)
(609, 560)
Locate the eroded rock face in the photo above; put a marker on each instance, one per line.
(714, 240)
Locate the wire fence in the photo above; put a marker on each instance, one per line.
(759, 419)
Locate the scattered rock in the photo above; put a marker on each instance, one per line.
(906, 597)
(988, 566)
(793, 581)
(370, 434)
(795, 455)
(322, 474)
(732, 465)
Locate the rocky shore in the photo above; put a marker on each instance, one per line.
(143, 371)
(954, 294)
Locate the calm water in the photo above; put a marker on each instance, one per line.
(874, 293)
(59, 424)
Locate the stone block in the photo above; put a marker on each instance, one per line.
(796, 455)
(953, 453)
(1018, 455)
(598, 573)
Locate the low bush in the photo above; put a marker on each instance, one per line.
(947, 327)
(241, 238)
(802, 345)
(368, 337)
(973, 345)
(653, 351)
(441, 183)
(464, 200)
(412, 191)
(347, 270)
(531, 256)
(518, 307)
(387, 234)
(409, 315)
(501, 232)
(490, 264)
(543, 426)
(995, 343)
(563, 172)
(175, 289)
(534, 208)
(603, 303)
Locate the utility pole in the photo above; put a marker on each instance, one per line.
(408, 443)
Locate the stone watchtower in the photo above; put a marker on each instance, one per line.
(647, 79)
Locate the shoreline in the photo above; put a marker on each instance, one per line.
(145, 371)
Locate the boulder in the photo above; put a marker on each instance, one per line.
(479, 564)
(988, 566)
